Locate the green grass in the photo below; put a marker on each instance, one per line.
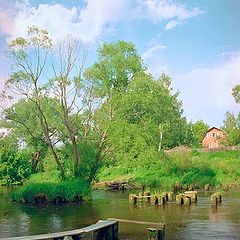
(67, 191)
(45, 177)
(185, 168)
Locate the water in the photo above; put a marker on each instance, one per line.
(195, 222)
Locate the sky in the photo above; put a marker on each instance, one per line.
(196, 42)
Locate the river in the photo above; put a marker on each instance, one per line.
(195, 222)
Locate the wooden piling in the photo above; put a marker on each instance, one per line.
(186, 200)
(132, 199)
(207, 187)
(179, 199)
(170, 196)
(147, 196)
(154, 200)
(156, 233)
(216, 199)
(140, 196)
(161, 199)
(192, 195)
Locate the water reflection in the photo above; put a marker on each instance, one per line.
(198, 221)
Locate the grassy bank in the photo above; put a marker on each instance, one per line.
(219, 169)
(67, 191)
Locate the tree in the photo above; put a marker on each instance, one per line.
(151, 104)
(199, 129)
(14, 164)
(109, 77)
(67, 87)
(148, 118)
(25, 125)
(231, 128)
(29, 56)
(236, 93)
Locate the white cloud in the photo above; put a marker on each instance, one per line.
(6, 24)
(90, 22)
(153, 56)
(206, 92)
(87, 23)
(153, 50)
(159, 10)
(171, 24)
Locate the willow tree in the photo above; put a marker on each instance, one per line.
(29, 59)
(68, 87)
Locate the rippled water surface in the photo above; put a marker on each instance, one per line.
(195, 222)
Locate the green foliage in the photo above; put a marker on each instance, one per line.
(67, 190)
(231, 128)
(50, 176)
(117, 113)
(183, 167)
(14, 164)
(88, 166)
(117, 63)
(236, 93)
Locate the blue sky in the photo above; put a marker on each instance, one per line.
(196, 42)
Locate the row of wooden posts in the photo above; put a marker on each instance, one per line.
(185, 198)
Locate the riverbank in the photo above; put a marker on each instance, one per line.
(182, 168)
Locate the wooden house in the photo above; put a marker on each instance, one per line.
(213, 138)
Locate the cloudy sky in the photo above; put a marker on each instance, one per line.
(196, 42)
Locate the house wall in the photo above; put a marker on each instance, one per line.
(213, 138)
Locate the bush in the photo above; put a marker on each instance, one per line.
(67, 191)
(14, 166)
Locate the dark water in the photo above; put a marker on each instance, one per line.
(198, 221)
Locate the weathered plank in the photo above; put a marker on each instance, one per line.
(77, 232)
(137, 222)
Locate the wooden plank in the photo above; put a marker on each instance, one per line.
(94, 227)
(137, 222)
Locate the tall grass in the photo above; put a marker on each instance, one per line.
(67, 191)
(185, 168)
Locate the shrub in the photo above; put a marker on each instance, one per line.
(14, 166)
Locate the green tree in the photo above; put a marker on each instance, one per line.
(148, 118)
(25, 125)
(29, 57)
(231, 128)
(109, 77)
(14, 164)
(199, 129)
(67, 85)
(236, 93)
(34, 58)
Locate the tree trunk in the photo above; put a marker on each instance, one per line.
(75, 155)
(44, 125)
(35, 160)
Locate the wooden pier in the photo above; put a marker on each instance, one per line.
(103, 229)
